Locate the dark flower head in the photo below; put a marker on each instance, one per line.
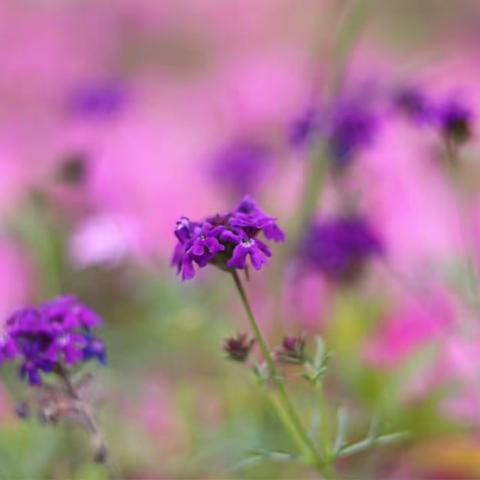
(292, 351)
(242, 166)
(57, 333)
(74, 169)
(352, 129)
(340, 247)
(414, 105)
(455, 122)
(225, 240)
(238, 348)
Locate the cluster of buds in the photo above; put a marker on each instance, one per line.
(291, 351)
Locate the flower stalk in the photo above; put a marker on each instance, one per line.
(287, 404)
(86, 416)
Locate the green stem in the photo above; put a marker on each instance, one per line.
(287, 404)
(328, 454)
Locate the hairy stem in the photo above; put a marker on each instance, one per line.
(286, 402)
(87, 415)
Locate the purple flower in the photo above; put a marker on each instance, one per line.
(97, 100)
(455, 121)
(340, 247)
(251, 219)
(57, 333)
(225, 240)
(94, 348)
(242, 166)
(414, 105)
(304, 128)
(246, 246)
(352, 129)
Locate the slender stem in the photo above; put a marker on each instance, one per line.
(328, 454)
(472, 277)
(85, 410)
(276, 377)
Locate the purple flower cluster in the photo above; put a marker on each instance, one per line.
(339, 247)
(225, 240)
(241, 166)
(57, 333)
(349, 126)
(412, 103)
(452, 118)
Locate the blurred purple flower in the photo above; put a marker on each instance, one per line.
(353, 127)
(241, 166)
(54, 335)
(455, 121)
(304, 127)
(225, 240)
(340, 247)
(97, 100)
(414, 105)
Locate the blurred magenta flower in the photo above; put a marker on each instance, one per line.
(413, 323)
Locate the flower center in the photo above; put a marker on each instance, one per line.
(63, 340)
(248, 242)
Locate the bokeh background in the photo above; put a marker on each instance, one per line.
(117, 117)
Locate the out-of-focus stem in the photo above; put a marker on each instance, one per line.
(350, 26)
(453, 160)
(325, 425)
(287, 404)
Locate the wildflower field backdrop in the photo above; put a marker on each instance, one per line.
(239, 239)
